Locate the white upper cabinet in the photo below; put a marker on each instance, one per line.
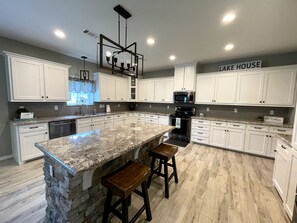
(164, 90)
(279, 87)
(205, 88)
(216, 88)
(105, 87)
(56, 79)
(185, 78)
(250, 87)
(34, 80)
(122, 89)
(146, 90)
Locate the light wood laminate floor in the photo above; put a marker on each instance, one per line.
(215, 185)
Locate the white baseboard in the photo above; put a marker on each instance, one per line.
(5, 157)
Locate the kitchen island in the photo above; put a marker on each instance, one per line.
(74, 166)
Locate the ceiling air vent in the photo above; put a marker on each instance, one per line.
(90, 33)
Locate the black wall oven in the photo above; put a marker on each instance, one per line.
(184, 97)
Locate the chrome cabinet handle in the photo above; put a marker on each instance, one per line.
(35, 127)
(283, 147)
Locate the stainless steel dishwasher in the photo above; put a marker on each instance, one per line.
(62, 128)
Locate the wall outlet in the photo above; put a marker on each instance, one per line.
(150, 106)
(271, 112)
(119, 105)
(207, 109)
(168, 106)
(21, 107)
(56, 107)
(136, 105)
(235, 110)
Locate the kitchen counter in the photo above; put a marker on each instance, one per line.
(244, 121)
(82, 152)
(59, 118)
(74, 166)
(286, 138)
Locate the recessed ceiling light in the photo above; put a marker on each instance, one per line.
(150, 41)
(228, 18)
(59, 33)
(229, 46)
(172, 57)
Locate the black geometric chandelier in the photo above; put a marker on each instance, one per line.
(121, 59)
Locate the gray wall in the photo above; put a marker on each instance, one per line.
(7, 109)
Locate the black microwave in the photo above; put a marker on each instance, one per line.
(184, 97)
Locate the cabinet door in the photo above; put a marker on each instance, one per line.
(225, 90)
(256, 142)
(217, 136)
(179, 73)
(205, 89)
(250, 88)
(168, 90)
(108, 124)
(292, 183)
(150, 90)
(281, 171)
(107, 88)
(141, 90)
(159, 91)
(279, 87)
(235, 139)
(98, 126)
(190, 78)
(164, 120)
(56, 83)
(27, 144)
(83, 128)
(271, 145)
(118, 122)
(27, 80)
(121, 89)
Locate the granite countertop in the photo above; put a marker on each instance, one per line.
(286, 138)
(85, 151)
(59, 118)
(244, 121)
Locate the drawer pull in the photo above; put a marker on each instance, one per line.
(200, 127)
(283, 147)
(35, 127)
(218, 123)
(281, 130)
(257, 128)
(236, 125)
(200, 133)
(199, 139)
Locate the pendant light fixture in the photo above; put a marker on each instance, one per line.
(84, 74)
(121, 59)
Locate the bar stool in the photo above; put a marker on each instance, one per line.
(122, 183)
(164, 153)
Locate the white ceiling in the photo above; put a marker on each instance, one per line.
(190, 29)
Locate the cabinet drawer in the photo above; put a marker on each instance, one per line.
(84, 121)
(200, 139)
(200, 122)
(279, 130)
(218, 123)
(152, 116)
(200, 127)
(139, 115)
(118, 116)
(32, 128)
(200, 133)
(283, 148)
(152, 120)
(235, 125)
(128, 115)
(140, 119)
(258, 128)
(108, 117)
(98, 119)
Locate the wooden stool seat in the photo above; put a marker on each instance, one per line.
(122, 183)
(164, 153)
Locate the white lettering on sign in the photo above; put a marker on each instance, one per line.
(241, 66)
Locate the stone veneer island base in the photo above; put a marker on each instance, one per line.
(75, 164)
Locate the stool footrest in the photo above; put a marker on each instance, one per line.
(136, 216)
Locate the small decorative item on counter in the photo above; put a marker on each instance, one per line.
(19, 111)
(27, 115)
(260, 118)
(274, 120)
(201, 114)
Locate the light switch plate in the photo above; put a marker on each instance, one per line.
(207, 109)
(235, 110)
(56, 107)
(271, 112)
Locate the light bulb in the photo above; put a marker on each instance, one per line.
(108, 53)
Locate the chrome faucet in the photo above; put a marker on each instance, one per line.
(81, 109)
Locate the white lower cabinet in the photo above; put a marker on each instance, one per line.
(256, 142)
(292, 184)
(24, 139)
(217, 136)
(235, 139)
(282, 168)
